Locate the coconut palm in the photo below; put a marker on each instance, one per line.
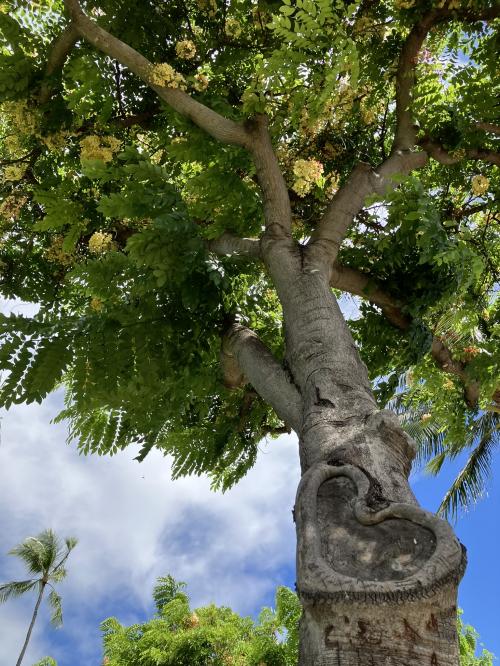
(45, 557)
(434, 448)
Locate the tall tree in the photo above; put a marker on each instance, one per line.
(45, 558)
(185, 183)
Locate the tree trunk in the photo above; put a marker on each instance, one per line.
(376, 574)
(32, 623)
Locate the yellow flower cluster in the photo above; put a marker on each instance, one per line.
(233, 28)
(101, 242)
(185, 49)
(200, 82)
(13, 145)
(404, 4)
(22, 118)
(480, 185)
(363, 24)
(96, 304)
(368, 114)
(451, 4)
(56, 254)
(209, 6)
(101, 148)
(14, 172)
(165, 75)
(11, 207)
(332, 184)
(56, 141)
(307, 173)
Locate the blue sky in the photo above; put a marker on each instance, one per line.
(135, 524)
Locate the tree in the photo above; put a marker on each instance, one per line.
(185, 183)
(218, 636)
(45, 558)
(468, 640)
(205, 636)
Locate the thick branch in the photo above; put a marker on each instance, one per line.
(350, 198)
(60, 49)
(228, 244)
(246, 358)
(363, 285)
(441, 155)
(360, 284)
(405, 137)
(277, 208)
(219, 127)
(488, 127)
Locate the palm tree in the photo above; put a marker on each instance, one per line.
(45, 557)
(481, 438)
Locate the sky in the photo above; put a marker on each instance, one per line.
(134, 524)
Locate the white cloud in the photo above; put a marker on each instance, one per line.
(135, 524)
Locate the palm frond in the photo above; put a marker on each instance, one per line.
(58, 574)
(56, 605)
(470, 483)
(31, 552)
(16, 589)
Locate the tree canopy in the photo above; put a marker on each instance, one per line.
(133, 197)
(180, 636)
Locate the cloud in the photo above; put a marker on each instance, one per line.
(135, 524)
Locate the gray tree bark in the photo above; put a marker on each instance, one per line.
(376, 574)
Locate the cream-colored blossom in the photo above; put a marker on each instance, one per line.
(185, 49)
(450, 4)
(200, 82)
(96, 304)
(11, 206)
(233, 28)
(332, 184)
(480, 185)
(55, 142)
(209, 6)
(56, 254)
(101, 148)
(101, 242)
(163, 74)
(21, 117)
(14, 172)
(307, 173)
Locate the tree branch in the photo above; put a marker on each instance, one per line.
(277, 208)
(245, 358)
(350, 198)
(360, 284)
(437, 152)
(363, 285)
(488, 127)
(405, 136)
(229, 244)
(217, 126)
(60, 49)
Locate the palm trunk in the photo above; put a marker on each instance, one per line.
(32, 623)
(377, 575)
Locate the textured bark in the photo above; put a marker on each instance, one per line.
(376, 574)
